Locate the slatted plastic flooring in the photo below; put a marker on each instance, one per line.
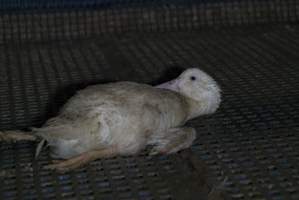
(252, 142)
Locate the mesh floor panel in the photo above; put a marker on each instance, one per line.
(251, 144)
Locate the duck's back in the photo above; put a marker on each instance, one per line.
(115, 113)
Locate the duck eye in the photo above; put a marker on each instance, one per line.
(192, 78)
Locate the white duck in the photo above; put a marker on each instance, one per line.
(122, 118)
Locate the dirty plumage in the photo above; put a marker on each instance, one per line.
(122, 118)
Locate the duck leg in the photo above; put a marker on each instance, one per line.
(172, 140)
(14, 136)
(80, 160)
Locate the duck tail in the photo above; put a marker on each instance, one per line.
(39, 148)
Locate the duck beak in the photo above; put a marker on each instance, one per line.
(170, 85)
